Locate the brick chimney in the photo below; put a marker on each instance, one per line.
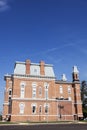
(42, 71)
(27, 63)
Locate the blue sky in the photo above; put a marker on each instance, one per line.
(51, 30)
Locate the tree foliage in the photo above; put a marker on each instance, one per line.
(84, 97)
(0, 117)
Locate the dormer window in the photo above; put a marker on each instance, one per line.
(35, 70)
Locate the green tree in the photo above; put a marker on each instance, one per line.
(0, 117)
(84, 97)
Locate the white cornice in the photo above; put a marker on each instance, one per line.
(34, 77)
(39, 99)
(38, 115)
(6, 103)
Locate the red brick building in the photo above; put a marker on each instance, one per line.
(32, 93)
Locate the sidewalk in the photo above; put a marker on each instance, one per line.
(34, 123)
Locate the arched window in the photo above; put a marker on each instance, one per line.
(34, 90)
(61, 89)
(10, 84)
(40, 91)
(46, 106)
(69, 90)
(22, 91)
(40, 109)
(33, 108)
(9, 95)
(21, 106)
(46, 85)
(10, 92)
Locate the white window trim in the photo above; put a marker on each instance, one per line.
(40, 91)
(21, 110)
(69, 89)
(61, 89)
(46, 85)
(10, 89)
(34, 86)
(40, 106)
(22, 89)
(46, 104)
(34, 104)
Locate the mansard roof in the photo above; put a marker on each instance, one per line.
(20, 69)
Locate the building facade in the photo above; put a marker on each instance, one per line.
(33, 93)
